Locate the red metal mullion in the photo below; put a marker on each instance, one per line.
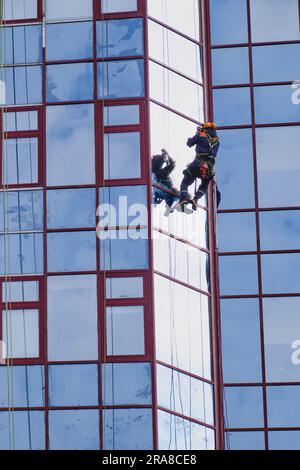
(123, 129)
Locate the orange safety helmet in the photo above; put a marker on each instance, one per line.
(210, 125)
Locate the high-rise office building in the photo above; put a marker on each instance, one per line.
(122, 337)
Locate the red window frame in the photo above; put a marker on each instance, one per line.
(38, 134)
(101, 130)
(124, 14)
(37, 19)
(26, 305)
(128, 302)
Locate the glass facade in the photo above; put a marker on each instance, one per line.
(255, 103)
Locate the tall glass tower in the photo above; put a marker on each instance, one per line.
(122, 328)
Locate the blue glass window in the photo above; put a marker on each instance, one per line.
(69, 9)
(235, 169)
(28, 386)
(232, 106)
(21, 161)
(74, 429)
(69, 41)
(23, 85)
(230, 66)
(72, 318)
(241, 348)
(21, 333)
(121, 115)
(284, 440)
(275, 26)
(244, 407)
(228, 21)
(66, 385)
(279, 230)
(267, 67)
(124, 287)
(26, 253)
(127, 429)
(121, 37)
(125, 334)
(274, 104)
(116, 6)
(238, 275)
(71, 208)
(283, 406)
(71, 251)
(29, 430)
(237, 232)
(280, 273)
(126, 384)
(20, 291)
(20, 121)
(19, 9)
(246, 440)
(124, 249)
(24, 210)
(23, 44)
(70, 135)
(282, 344)
(70, 82)
(121, 79)
(122, 155)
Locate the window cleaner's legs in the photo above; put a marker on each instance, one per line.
(189, 178)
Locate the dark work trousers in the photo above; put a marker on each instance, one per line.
(190, 175)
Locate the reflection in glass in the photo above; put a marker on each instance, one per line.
(125, 429)
(121, 79)
(20, 161)
(26, 254)
(246, 440)
(229, 21)
(28, 386)
(244, 407)
(175, 51)
(19, 9)
(238, 275)
(284, 440)
(182, 322)
(29, 430)
(185, 395)
(237, 231)
(71, 251)
(122, 206)
(283, 406)
(23, 85)
(279, 230)
(281, 327)
(69, 41)
(121, 37)
(21, 333)
(124, 249)
(116, 6)
(235, 169)
(278, 175)
(66, 385)
(176, 433)
(122, 155)
(20, 121)
(274, 104)
(124, 287)
(71, 208)
(69, 82)
(74, 430)
(24, 210)
(171, 13)
(230, 66)
(241, 348)
(126, 384)
(125, 331)
(68, 9)
(280, 273)
(20, 291)
(121, 115)
(232, 106)
(70, 135)
(267, 67)
(23, 44)
(72, 318)
(182, 95)
(276, 26)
